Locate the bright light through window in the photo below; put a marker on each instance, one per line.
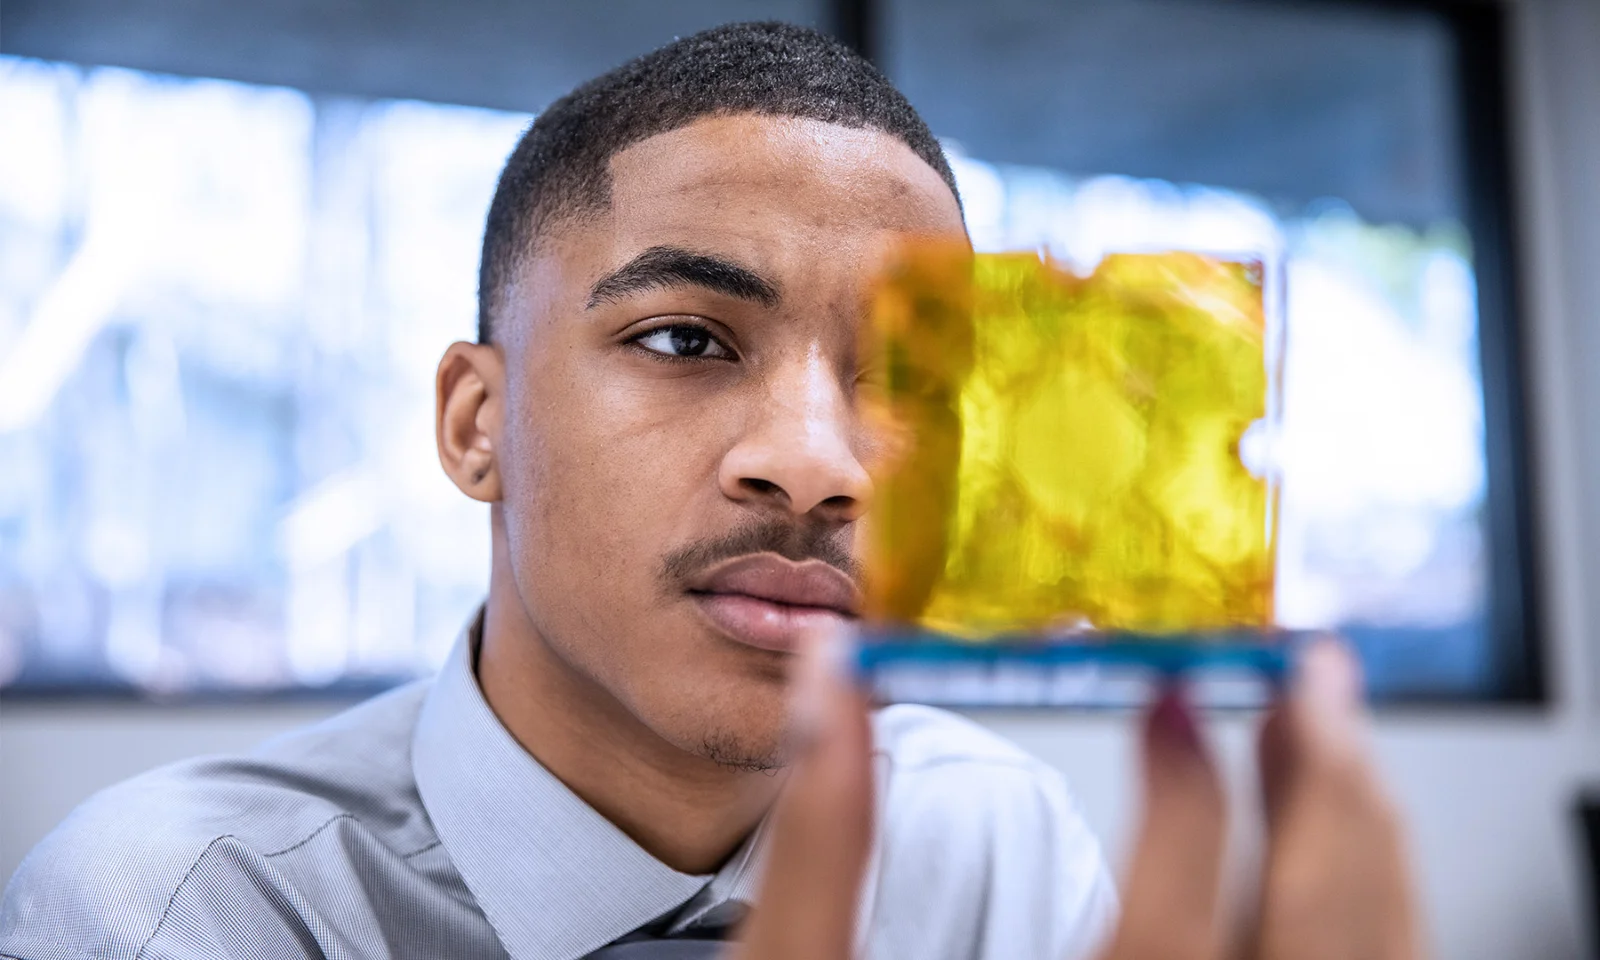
(221, 307)
(220, 314)
(1382, 446)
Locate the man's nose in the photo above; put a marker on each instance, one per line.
(797, 452)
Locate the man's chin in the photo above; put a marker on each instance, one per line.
(726, 702)
(739, 751)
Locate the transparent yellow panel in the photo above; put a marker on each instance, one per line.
(1062, 453)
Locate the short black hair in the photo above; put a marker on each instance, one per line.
(560, 166)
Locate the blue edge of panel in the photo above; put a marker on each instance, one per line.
(1267, 653)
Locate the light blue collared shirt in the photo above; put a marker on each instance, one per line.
(414, 825)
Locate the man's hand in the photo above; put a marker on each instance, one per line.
(822, 828)
(1334, 887)
(1171, 894)
(1335, 884)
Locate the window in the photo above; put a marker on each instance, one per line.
(221, 305)
(223, 309)
(1360, 146)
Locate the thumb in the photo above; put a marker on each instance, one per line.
(1170, 901)
(821, 831)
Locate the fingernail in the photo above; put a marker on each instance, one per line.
(1330, 675)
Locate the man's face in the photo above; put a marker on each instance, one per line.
(682, 463)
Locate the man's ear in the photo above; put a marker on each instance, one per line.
(470, 390)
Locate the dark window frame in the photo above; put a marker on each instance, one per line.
(1480, 30)
(1515, 615)
(1480, 34)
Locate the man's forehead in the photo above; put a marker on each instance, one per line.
(787, 198)
(746, 165)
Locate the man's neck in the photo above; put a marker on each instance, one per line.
(686, 811)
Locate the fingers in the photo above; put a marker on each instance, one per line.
(1170, 898)
(1335, 885)
(821, 831)
(1319, 730)
(1317, 737)
(1328, 695)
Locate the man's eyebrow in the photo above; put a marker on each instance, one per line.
(660, 267)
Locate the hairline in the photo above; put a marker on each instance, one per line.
(570, 208)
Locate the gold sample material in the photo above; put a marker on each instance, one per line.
(1062, 453)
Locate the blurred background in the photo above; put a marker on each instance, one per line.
(236, 237)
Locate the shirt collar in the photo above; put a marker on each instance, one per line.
(555, 879)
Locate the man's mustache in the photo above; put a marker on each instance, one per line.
(792, 541)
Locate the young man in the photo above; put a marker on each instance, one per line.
(660, 413)
(659, 410)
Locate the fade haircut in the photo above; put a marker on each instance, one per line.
(560, 167)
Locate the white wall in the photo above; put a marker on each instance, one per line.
(52, 757)
(1487, 794)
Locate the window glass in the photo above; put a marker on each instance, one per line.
(1325, 137)
(219, 320)
(221, 306)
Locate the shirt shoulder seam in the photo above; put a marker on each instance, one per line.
(422, 849)
(167, 910)
(330, 822)
(308, 837)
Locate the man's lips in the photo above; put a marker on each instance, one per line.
(770, 602)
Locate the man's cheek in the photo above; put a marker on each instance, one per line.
(601, 500)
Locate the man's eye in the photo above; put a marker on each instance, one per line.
(683, 340)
